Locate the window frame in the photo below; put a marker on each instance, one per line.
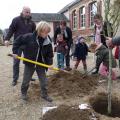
(82, 16)
(92, 12)
(74, 20)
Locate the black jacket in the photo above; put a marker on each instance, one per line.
(69, 33)
(102, 54)
(33, 50)
(20, 26)
(81, 51)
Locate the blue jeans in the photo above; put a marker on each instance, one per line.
(60, 60)
(67, 57)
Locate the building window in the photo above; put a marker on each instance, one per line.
(82, 17)
(93, 11)
(74, 19)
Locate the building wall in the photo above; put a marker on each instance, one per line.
(87, 30)
(52, 29)
(67, 14)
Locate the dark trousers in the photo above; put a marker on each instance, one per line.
(67, 57)
(84, 64)
(28, 72)
(16, 63)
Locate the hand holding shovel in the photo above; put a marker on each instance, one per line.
(37, 63)
(13, 55)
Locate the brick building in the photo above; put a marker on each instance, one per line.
(81, 13)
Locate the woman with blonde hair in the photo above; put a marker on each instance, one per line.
(38, 48)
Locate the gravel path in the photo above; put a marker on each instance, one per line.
(11, 105)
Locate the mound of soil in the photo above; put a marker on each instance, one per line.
(70, 85)
(67, 113)
(100, 104)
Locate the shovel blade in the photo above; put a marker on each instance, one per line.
(88, 72)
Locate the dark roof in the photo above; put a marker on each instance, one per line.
(69, 6)
(49, 17)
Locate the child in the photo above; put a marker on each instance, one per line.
(81, 51)
(73, 46)
(61, 49)
(102, 54)
(38, 48)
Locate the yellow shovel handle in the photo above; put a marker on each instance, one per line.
(34, 62)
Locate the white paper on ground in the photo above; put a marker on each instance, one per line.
(84, 106)
(45, 109)
(81, 106)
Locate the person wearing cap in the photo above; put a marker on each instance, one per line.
(20, 25)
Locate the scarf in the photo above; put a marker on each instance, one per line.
(98, 34)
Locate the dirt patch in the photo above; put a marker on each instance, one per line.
(67, 113)
(100, 104)
(70, 85)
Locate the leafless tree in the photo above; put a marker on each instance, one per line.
(112, 15)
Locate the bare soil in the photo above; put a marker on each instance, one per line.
(71, 84)
(100, 104)
(67, 90)
(67, 113)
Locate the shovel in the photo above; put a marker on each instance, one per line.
(88, 72)
(38, 63)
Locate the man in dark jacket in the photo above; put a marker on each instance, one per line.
(20, 25)
(38, 48)
(67, 34)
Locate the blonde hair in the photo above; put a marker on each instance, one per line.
(43, 26)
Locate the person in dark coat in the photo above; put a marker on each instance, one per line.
(67, 35)
(61, 50)
(38, 48)
(20, 25)
(81, 51)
